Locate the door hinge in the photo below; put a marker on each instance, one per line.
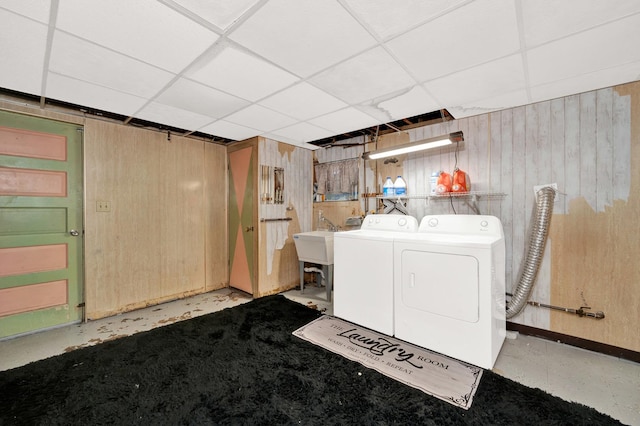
(80, 305)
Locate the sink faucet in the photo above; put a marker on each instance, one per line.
(332, 226)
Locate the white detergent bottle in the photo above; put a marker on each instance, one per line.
(387, 188)
(433, 182)
(400, 187)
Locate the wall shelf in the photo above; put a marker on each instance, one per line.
(470, 198)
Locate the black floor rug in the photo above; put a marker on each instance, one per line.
(243, 366)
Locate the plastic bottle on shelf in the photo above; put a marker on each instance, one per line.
(400, 186)
(433, 182)
(387, 188)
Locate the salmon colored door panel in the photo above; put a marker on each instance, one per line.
(40, 223)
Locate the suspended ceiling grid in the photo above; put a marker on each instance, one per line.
(300, 71)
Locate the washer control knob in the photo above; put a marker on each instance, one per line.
(433, 222)
(402, 221)
(484, 223)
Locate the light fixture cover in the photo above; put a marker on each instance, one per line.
(420, 145)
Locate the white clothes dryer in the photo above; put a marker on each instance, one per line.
(363, 271)
(450, 287)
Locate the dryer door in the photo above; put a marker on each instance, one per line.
(445, 284)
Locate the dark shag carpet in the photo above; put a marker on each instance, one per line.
(243, 366)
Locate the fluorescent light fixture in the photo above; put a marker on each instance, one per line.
(420, 145)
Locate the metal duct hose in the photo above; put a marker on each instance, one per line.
(535, 252)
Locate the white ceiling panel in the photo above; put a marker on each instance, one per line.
(221, 13)
(303, 69)
(85, 61)
(241, 74)
(195, 97)
(482, 82)
(33, 9)
(304, 132)
(408, 104)
(586, 82)
(230, 130)
(261, 118)
(344, 121)
(303, 101)
(304, 36)
(547, 20)
(387, 18)
(99, 97)
(176, 117)
(557, 61)
(476, 33)
(367, 76)
(22, 49)
(483, 106)
(163, 37)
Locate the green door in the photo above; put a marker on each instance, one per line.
(41, 224)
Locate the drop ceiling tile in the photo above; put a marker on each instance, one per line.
(408, 104)
(303, 101)
(78, 92)
(230, 130)
(261, 118)
(195, 97)
(302, 132)
(344, 121)
(220, 13)
(146, 30)
(484, 106)
(476, 33)
(390, 17)
(482, 82)
(304, 36)
(176, 117)
(587, 82)
(22, 47)
(372, 74)
(82, 60)
(559, 60)
(241, 74)
(33, 9)
(547, 20)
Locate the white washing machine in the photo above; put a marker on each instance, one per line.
(450, 287)
(363, 271)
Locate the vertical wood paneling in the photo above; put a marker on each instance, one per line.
(571, 148)
(604, 149)
(621, 146)
(506, 186)
(557, 151)
(588, 148)
(519, 211)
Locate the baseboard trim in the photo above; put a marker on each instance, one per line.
(576, 341)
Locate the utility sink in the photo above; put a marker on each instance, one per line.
(315, 247)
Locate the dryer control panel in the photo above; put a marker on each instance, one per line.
(390, 222)
(461, 224)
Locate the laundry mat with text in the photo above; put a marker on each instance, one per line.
(442, 377)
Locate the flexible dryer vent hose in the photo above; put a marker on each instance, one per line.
(535, 251)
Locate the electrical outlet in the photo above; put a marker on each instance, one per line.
(103, 206)
(553, 185)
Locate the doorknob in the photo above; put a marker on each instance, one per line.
(248, 229)
(74, 233)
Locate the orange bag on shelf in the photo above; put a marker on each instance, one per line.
(461, 181)
(444, 183)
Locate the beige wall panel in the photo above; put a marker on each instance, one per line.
(215, 196)
(596, 249)
(150, 246)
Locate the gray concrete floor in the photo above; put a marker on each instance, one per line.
(608, 384)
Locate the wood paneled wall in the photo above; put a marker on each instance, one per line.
(165, 236)
(278, 259)
(589, 144)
